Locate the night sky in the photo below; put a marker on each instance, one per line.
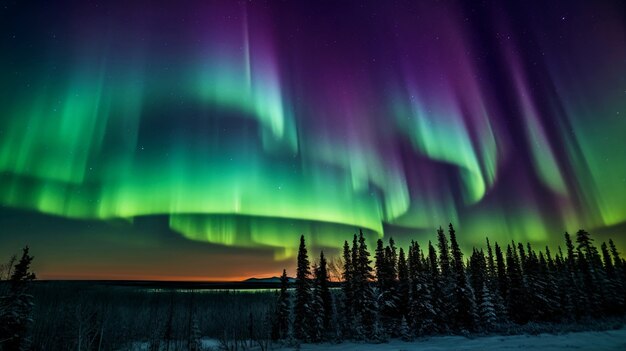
(198, 140)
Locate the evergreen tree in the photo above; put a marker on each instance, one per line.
(347, 288)
(617, 260)
(284, 307)
(403, 285)
(416, 298)
(620, 273)
(503, 281)
(356, 276)
(316, 322)
(16, 306)
(323, 292)
(551, 308)
(571, 255)
(387, 297)
(391, 259)
(590, 267)
(405, 332)
(491, 267)
(486, 309)
(366, 307)
(303, 318)
(568, 293)
(421, 311)
(478, 273)
(379, 263)
(516, 299)
(465, 305)
(537, 286)
(608, 261)
(614, 303)
(444, 253)
(439, 301)
(577, 297)
(446, 283)
(585, 243)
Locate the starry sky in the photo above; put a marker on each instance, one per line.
(198, 140)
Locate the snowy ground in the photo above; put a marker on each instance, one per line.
(593, 341)
(596, 341)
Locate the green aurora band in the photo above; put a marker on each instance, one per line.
(232, 127)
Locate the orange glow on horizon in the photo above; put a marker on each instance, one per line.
(160, 278)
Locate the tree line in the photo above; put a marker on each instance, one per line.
(388, 292)
(435, 290)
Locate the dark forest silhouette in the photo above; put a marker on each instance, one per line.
(391, 292)
(16, 305)
(434, 290)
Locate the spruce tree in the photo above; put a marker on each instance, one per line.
(447, 278)
(608, 261)
(405, 332)
(539, 297)
(444, 253)
(516, 298)
(367, 308)
(316, 322)
(592, 270)
(283, 308)
(620, 273)
(585, 243)
(478, 273)
(491, 266)
(422, 312)
(16, 306)
(486, 310)
(323, 290)
(503, 281)
(551, 308)
(387, 297)
(617, 260)
(614, 303)
(571, 255)
(568, 291)
(465, 305)
(302, 309)
(576, 299)
(346, 287)
(439, 301)
(403, 285)
(379, 264)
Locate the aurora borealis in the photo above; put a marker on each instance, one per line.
(215, 133)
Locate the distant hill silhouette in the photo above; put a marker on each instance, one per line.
(267, 280)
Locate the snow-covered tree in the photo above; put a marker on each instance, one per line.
(464, 304)
(365, 306)
(405, 332)
(486, 310)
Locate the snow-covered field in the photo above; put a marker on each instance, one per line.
(593, 341)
